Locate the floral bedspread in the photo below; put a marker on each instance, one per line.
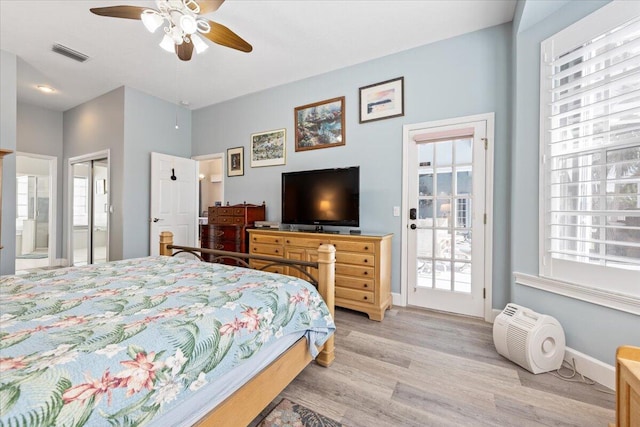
(122, 343)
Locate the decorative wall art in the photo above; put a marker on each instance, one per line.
(320, 125)
(382, 100)
(235, 161)
(268, 148)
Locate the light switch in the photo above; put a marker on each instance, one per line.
(396, 211)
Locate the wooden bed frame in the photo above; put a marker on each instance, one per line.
(248, 401)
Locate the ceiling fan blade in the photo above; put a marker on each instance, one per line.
(184, 51)
(223, 36)
(128, 12)
(208, 6)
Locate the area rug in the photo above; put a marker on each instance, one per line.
(291, 414)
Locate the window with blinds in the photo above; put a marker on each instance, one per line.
(590, 140)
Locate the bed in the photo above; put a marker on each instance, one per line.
(158, 340)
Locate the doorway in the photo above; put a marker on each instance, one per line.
(446, 198)
(90, 208)
(210, 185)
(36, 186)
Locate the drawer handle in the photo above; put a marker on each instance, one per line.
(288, 241)
(366, 248)
(366, 273)
(277, 240)
(255, 239)
(366, 260)
(276, 251)
(219, 246)
(366, 286)
(365, 297)
(220, 233)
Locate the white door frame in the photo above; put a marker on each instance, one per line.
(53, 201)
(488, 247)
(103, 154)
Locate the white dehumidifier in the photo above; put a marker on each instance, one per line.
(532, 340)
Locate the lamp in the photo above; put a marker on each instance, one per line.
(181, 24)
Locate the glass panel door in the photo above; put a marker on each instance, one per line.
(446, 233)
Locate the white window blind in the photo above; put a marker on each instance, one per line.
(590, 140)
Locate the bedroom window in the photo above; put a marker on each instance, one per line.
(590, 145)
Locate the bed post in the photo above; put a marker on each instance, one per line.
(166, 239)
(326, 287)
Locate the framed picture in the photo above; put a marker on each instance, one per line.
(235, 161)
(382, 100)
(268, 148)
(320, 125)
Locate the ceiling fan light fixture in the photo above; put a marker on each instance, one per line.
(199, 45)
(151, 20)
(168, 44)
(188, 24)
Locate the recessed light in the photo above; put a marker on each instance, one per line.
(46, 89)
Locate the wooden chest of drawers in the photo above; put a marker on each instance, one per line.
(363, 264)
(227, 227)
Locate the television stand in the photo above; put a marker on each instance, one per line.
(363, 264)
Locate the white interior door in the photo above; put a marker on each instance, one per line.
(174, 200)
(445, 211)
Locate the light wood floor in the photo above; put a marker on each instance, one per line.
(423, 368)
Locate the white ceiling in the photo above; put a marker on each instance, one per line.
(292, 40)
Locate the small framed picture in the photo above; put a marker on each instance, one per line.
(235, 161)
(268, 148)
(320, 125)
(382, 100)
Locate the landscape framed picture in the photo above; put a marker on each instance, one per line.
(382, 100)
(235, 161)
(320, 125)
(268, 148)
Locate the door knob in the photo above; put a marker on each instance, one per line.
(413, 226)
(156, 219)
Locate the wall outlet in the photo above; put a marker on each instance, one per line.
(396, 211)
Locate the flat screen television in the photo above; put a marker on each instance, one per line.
(322, 197)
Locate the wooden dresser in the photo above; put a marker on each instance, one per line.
(227, 227)
(363, 264)
(627, 387)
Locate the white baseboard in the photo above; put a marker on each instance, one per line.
(592, 368)
(397, 300)
(61, 262)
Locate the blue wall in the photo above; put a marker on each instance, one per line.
(591, 329)
(465, 75)
(8, 113)
(149, 126)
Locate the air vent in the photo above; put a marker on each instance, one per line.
(69, 53)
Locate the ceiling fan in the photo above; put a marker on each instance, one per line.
(183, 23)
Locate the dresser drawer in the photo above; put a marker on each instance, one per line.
(353, 258)
(262, 238)
(216, 234)
(258, 265)
(304, 243)
(355, 270)
(341, 245)
(355, 295)
(266, 249)
(355, 283)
